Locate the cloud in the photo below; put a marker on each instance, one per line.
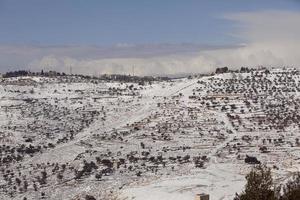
(146, 59)
(142, 66)
(271, 38)
(266, 26)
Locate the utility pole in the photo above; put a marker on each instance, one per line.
(133, 70)
(70, 69)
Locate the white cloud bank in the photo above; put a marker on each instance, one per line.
(272, 38)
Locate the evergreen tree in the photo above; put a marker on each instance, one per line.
(291, 191)
(259, 185)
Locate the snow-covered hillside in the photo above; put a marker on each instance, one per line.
(65, 139)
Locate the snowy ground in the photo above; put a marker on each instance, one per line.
(165, 140)
(221, 181)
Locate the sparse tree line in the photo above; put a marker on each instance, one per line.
(21, 73)
(141, 80)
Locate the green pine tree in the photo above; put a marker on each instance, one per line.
(259, 185)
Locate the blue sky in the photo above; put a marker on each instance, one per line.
(110, 22)
(155, 36)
